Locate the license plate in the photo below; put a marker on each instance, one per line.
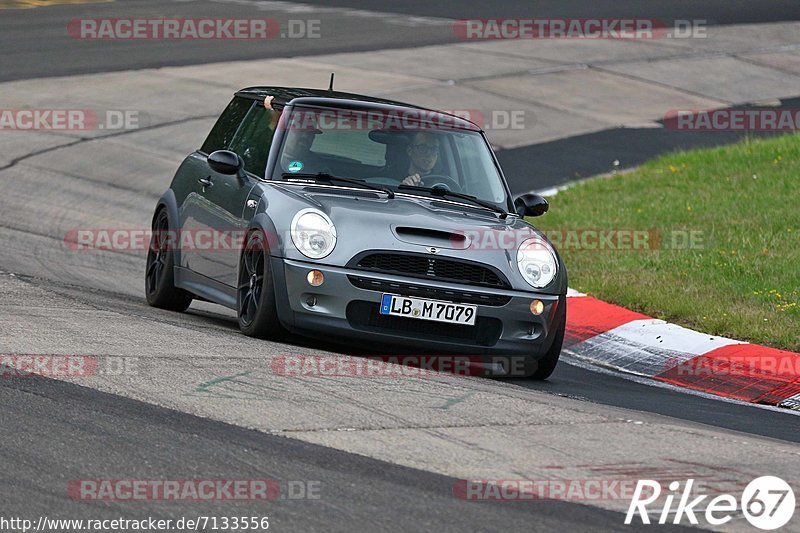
(392, 304)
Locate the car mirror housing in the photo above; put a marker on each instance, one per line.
(225, 162)
(531, 205)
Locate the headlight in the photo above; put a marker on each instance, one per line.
(313, 233)
(537, 262)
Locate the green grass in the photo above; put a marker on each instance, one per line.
(743, 282)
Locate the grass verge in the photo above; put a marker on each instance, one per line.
(722, 251)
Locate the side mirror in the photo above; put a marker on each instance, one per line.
(225, 162)
(531, 205)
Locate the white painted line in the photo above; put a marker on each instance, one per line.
(647, 347)
(791, 403)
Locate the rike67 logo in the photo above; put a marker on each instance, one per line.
(767, 503)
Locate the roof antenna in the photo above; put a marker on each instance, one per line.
(330, 85)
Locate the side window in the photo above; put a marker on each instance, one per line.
(223, 131)
(254, 138)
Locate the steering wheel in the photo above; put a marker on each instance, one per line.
(441, 181)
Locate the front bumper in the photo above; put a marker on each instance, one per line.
(346, 307)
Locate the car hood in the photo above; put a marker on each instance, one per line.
(368, 221)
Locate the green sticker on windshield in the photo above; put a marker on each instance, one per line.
(295, 166)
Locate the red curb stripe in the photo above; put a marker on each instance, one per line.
(747, 372)
(588, 317)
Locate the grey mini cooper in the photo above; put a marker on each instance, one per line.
(360, 220)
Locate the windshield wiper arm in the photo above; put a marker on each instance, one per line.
(442, 192)
(325, 176)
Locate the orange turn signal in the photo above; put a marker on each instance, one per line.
(315, 278)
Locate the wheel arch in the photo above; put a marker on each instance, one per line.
(275, 244)
(263, 223)
(170, 204)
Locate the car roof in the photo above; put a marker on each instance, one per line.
(282, 96)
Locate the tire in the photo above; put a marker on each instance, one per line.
(159, 277)
(255, 292)
(547, 364)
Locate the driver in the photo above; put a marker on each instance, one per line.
(423, 153)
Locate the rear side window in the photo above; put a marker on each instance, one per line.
(223, 131)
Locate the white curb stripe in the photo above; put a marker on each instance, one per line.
(647, 347)
(791, 403)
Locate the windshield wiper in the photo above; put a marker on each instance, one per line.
(442, 192)
(325, 176)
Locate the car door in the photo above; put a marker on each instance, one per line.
(226, 211)
(190, 191)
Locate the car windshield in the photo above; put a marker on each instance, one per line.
(419, 152)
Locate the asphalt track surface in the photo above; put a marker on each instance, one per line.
(713, 11)
(31, 34)
(53, 431)
(566, 160)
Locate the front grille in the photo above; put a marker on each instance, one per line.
(407, 289)
(423, 266)
(365, 316)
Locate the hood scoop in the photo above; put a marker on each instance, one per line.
(431, 237)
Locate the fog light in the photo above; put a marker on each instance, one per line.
(315, 278)
(537, 307)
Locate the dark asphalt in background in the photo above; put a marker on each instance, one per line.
(559, 162)
(614, 390)
(713, 11)
(54, 432)
(28, 35)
